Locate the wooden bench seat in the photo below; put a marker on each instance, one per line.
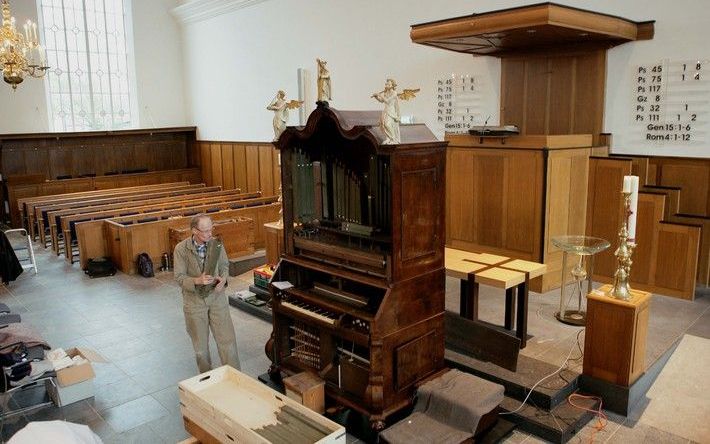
(511, 275)
(42, 188)
(96, 238)
(68, 223)
(26, 207)
(44, 219)
(125, 241)
(55, 216)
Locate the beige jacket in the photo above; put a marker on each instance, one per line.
(186, 266)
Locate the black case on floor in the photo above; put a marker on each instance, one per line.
(100, 267)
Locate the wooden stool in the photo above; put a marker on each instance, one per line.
(512, 275)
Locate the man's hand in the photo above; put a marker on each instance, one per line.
(204, 279)
(220, 283)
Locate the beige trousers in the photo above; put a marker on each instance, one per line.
(203, 315)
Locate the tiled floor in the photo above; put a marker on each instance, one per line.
(136, 323)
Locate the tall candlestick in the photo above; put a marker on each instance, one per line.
(633, 208)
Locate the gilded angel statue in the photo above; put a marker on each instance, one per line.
(280, 107)
(324, 92)
(390, 114)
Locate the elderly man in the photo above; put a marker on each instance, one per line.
(204, 301)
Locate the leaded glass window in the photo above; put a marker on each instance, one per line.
(89, 85)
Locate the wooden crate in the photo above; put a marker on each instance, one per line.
(306, 389)
(228, 403)
(237, 234)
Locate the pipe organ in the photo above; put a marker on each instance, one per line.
(358, 296)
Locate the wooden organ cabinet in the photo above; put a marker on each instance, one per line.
(364, 253)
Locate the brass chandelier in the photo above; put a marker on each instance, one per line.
(20, 53)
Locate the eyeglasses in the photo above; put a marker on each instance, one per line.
(209, 230)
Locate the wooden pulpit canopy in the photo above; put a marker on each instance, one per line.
(543, 25)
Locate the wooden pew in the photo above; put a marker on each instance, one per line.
(88, 184)
(672, 194)
(94, 242)
(45, 222)
(126, 242)
(667, 255)
(27, 206)
(53, 216)
(703, 277)
(68, 223)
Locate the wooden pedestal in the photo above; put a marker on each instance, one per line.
(274, 233)
(306, 389)
(615, 340)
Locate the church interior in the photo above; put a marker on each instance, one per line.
(263, 221)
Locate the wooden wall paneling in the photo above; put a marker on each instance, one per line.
(459, 196)
(566, 205)
(144, 155)
(13, 162)
(276, 171)
(240, 166)
(652, 174)
(216, 162)
(151, 179)
(537, 104)
(512, 92)
(82, 162)
(36, 160)
(60, 161)
(206, 163)
(639, 167)
(252, 167)
(650, 213)
(604, 207)
(523, 223)
(694, 181)
(228, 178)
(676, 263)
(703, 277)
(489, 197)
(672, 198)
(562, 83)
(590, 84)
(266, 170)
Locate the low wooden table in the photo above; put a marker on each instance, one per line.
(512, 275)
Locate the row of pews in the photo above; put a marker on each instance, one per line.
(673, 222)
(120, 223)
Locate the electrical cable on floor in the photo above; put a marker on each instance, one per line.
(546, 377)
(577, 358)
(602, 420)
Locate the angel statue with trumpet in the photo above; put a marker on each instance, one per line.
(280, 107)
(390, 114)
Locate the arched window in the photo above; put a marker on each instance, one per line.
(89, 83)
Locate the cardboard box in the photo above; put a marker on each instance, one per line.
(76, 382)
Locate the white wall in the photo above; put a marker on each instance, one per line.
(234, 63)
(158, 66)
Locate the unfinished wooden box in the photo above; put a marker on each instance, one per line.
(237, 234)
(615, 340)
(307, 389)
(233, 407)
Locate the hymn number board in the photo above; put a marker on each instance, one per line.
(671, 102)
(458, 103)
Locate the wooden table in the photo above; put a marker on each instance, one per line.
(512, 275)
